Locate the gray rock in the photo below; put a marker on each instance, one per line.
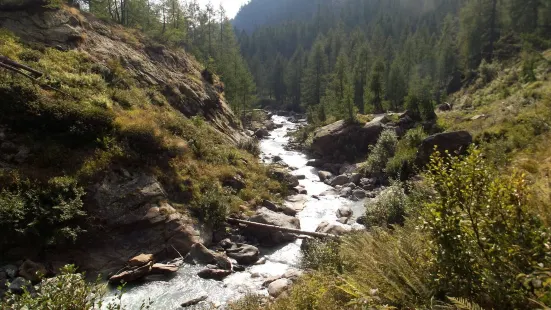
(261, 133)
(324, 175)
(333, 229)
(344, 212)
(194, 301)
(453, 142)
(316, 163)
(301, 176)
(277, 208)
(223, 262)
(355, 178)
(199, 254)
(214, 274)
(277, 287)
(343, 220)
(32, 271)
(360, 194)
(226, 244)
(11, 271)
(282, 174)
(244, 254)
(340, 180)
(266, 216)
(236, 182)
(18, 284)
(277, 158)
(368, 183)
(270, 205)
(345, 192)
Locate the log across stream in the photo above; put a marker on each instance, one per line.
(185, 285)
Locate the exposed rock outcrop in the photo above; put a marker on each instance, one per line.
(453, 142)
(266, 216)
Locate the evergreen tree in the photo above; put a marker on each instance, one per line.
(314, 80)
(375, 88)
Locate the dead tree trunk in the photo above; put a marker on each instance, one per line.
(282, 229)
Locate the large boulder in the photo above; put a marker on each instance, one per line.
(244, 254)
(340, 180)
(266, 216)
(199, 254)
(131, 275)
(214, 274)
(32, 271)
(332, 229)
(140, 260)
(453, 142)
(345, 140)
(277, 287)
(324, 175)
(18, 285)
(283, 175)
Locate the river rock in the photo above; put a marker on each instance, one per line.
(333, 229)
(140, 260)
(344, 211)
(18, 284)
(345, 192)
(453, 142)
(368, 183)
(11, 271)
(277, 287)
(348, 139)
(343, 220)
(316, 163)
(226, 244)
(266, 216)
(261, 133)
(131, 275)
(355, 178)
(214, 274)
(282, 174)
(340, 180)
(32, 271)
(163, 269)
(285, 209)
(244, 254)
(194, 301)
(199, 254)
(358, 193)
(324, 175)
(223, 262)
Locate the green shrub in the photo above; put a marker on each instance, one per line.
(44, 213)
(388, 208)
(488, 71)
(250, 145)
(321, 255)
(484, 233)
(380, 153)
(67, 291)
(212, 207)
(406, 152)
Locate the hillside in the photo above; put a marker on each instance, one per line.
(119, 145)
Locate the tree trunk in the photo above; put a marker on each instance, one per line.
(282, 229)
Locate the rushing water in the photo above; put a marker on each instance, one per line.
(185, 285)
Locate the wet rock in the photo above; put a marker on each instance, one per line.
(199, 254)
(32, 271)
(223, 262)
(285, 209)
(163, 269)
(140, 260)
(226, 244)
(244, 254)
(301, 190)
(236, 182)
(340, 180)
(324, 175)
(261, 261)
(131, 275)
(270, 205)
(344, 211)
(345, 192)
(239, 268)
(261, 133)
(301, 177)
(362, 220)
(333, 229)
(316, 163)
(277, 287)
(453, 142)
(194, 301)
(277, 158)
(214, 274)
(368, 183)
(293, 274)
(358, 193)
(18, 284)
(343, 220)
(282, 174)
(355, 178)
(11, 271)
(347, 168)
(266, 216)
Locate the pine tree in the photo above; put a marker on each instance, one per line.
(397, 87)
(375, 88)
(361, 70)
(314, 80)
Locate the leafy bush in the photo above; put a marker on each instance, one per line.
(212, 207)
(484, 233)
(321, 255)
(40, 212)
(388, 208)
(488, 71)
(250, 145)
(67, 291)
(380, 153)
(406, 152)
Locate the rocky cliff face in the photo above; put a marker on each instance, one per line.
(175, 73)
(161, 156)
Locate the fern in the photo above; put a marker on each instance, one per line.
(464, 304)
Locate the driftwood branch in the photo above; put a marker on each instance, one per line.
(283, 229)
(18, 68)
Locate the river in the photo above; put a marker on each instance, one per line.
(185, 285)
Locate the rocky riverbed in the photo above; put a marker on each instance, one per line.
(319, 207)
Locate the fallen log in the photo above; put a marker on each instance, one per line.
(278, 228)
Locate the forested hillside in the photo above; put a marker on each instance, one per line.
(374, 56)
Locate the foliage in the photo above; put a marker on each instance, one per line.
(321, 255)
(390, 269)
(212, 207)
(69, 290)
(406, 152)
(380, 153)
(45, 213)
(484, 232)
(388, 208)
(488, 71)
(250, 145)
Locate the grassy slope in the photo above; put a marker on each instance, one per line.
(105, 119)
